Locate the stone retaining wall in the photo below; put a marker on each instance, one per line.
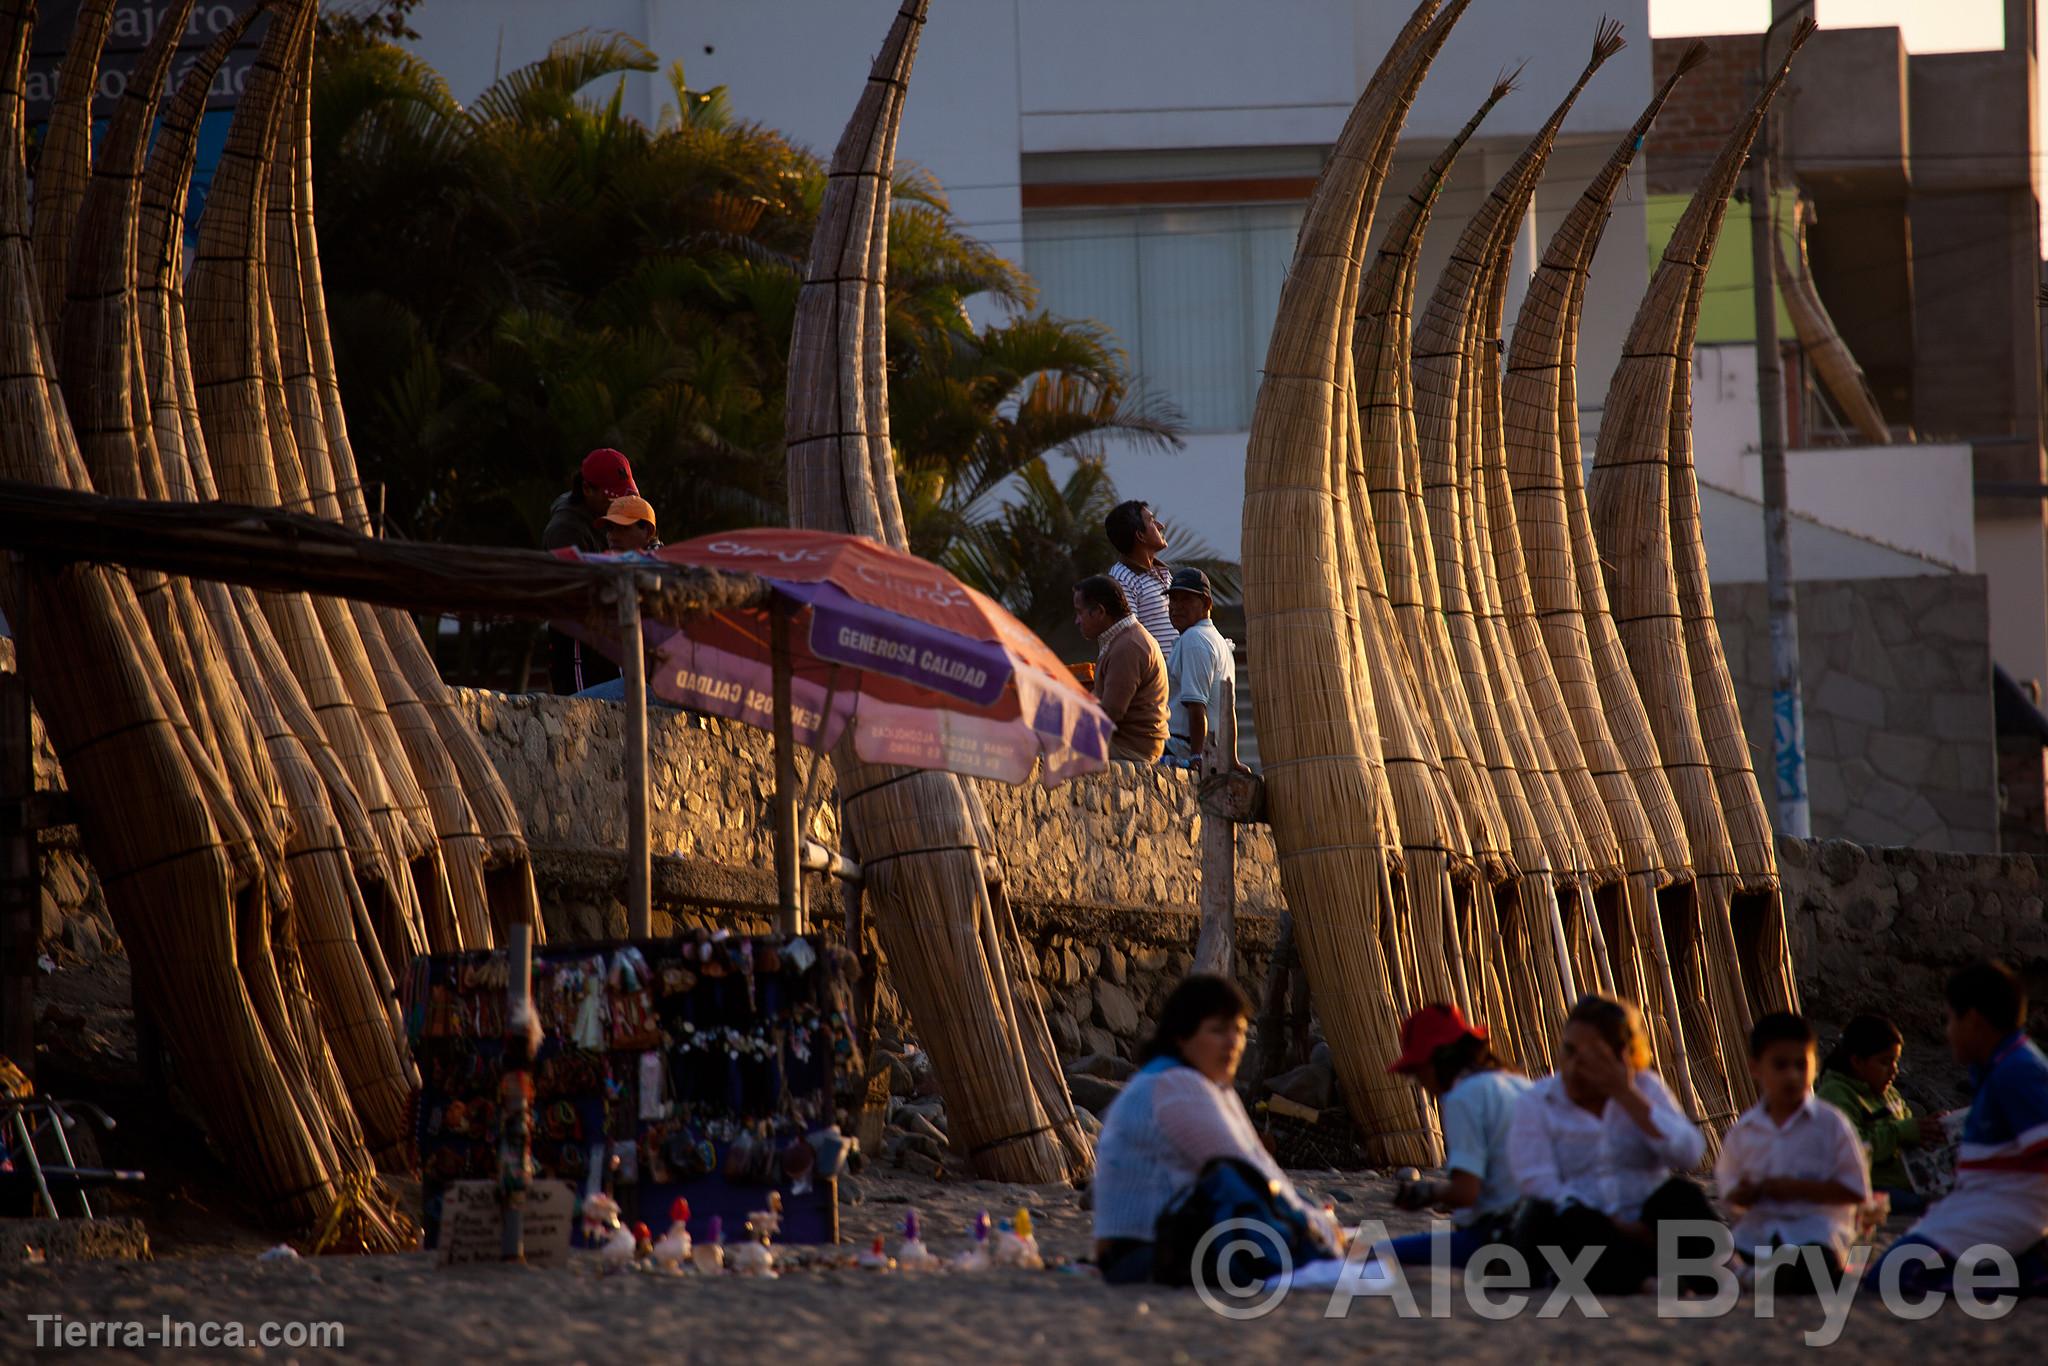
(1104, 875)
(1124, 839)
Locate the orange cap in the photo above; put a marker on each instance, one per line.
(628, 510)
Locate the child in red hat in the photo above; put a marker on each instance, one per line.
(1449, 1058)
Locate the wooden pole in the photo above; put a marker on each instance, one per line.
(789, 914)
(639, 857)
(1215, 950)
(1788, 709)
(20, 878)
(515, 1130)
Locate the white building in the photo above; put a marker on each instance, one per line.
(1146, 160)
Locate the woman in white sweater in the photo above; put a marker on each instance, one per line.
(1597, 1147)
(1178, 1114)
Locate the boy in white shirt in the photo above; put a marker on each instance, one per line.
(1791, 1167)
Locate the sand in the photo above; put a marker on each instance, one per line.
(405, 1308)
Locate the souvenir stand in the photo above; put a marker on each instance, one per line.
(695, 1068)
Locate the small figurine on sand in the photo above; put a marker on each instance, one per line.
(913, 1255)
(976, 1257)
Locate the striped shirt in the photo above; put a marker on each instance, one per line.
(1146, 589)
(2001, 1190)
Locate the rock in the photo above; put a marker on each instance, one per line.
(1114, 1008)
(901, 1080)
(1066, 1035)
(1311, 1084)
(1113, 965)
(1096, 1039)
(51, 926)
(1149, 960)
(82, 937)
(1093, 1093)
(1092, 1126)
(1108, 1067)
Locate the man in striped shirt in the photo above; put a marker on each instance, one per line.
(1144, 577)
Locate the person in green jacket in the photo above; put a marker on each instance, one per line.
(1857, 1080)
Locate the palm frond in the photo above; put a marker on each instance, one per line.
(547, 89)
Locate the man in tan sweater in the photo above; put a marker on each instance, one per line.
(1130, 675)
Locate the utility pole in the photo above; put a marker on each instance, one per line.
(1788, 715)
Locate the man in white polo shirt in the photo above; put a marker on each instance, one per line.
(1200, 656)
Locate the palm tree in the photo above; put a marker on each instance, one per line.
(516, 281)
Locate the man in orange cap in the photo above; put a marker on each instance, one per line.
(629, 525)
(604, 475)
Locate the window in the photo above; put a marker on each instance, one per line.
(1190, 294)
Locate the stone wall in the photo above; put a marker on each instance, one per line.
(1879, 930)
(1895, 676)
(1122, 840)
(1104, 875)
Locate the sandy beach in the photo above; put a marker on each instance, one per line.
(406, 1308)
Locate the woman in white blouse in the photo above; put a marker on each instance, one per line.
(1179, 1113)
(1597, 1145)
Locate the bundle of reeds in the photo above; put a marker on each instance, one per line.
(1631, 497)
(1334, 824)
(1386, 494)
(1449, 389)
(254, 459)
(186, 875)
(265, 778)
(346, 969)
(65, 162)
(1539, 401)
(933, 879)
(1825, 350)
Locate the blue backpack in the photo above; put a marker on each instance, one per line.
(1271, 1233)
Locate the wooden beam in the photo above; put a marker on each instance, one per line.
(284, 552)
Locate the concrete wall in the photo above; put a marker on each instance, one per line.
(1895, 676)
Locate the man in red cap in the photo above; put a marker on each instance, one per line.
(604, 475)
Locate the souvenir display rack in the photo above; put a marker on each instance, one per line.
(692, 1067)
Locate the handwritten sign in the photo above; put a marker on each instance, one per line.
(473, 1223)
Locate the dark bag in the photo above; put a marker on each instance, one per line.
(1268, 1235)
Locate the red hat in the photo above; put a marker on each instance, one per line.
(1429, 1029)
(609, 473)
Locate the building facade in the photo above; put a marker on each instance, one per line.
(1146, 160)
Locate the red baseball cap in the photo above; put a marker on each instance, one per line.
(1429, 1029)
(609, 472)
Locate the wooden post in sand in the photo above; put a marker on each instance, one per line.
(515, 1137)
(20, 878)
(1215, 950)
(789, 909)
(639, 856)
